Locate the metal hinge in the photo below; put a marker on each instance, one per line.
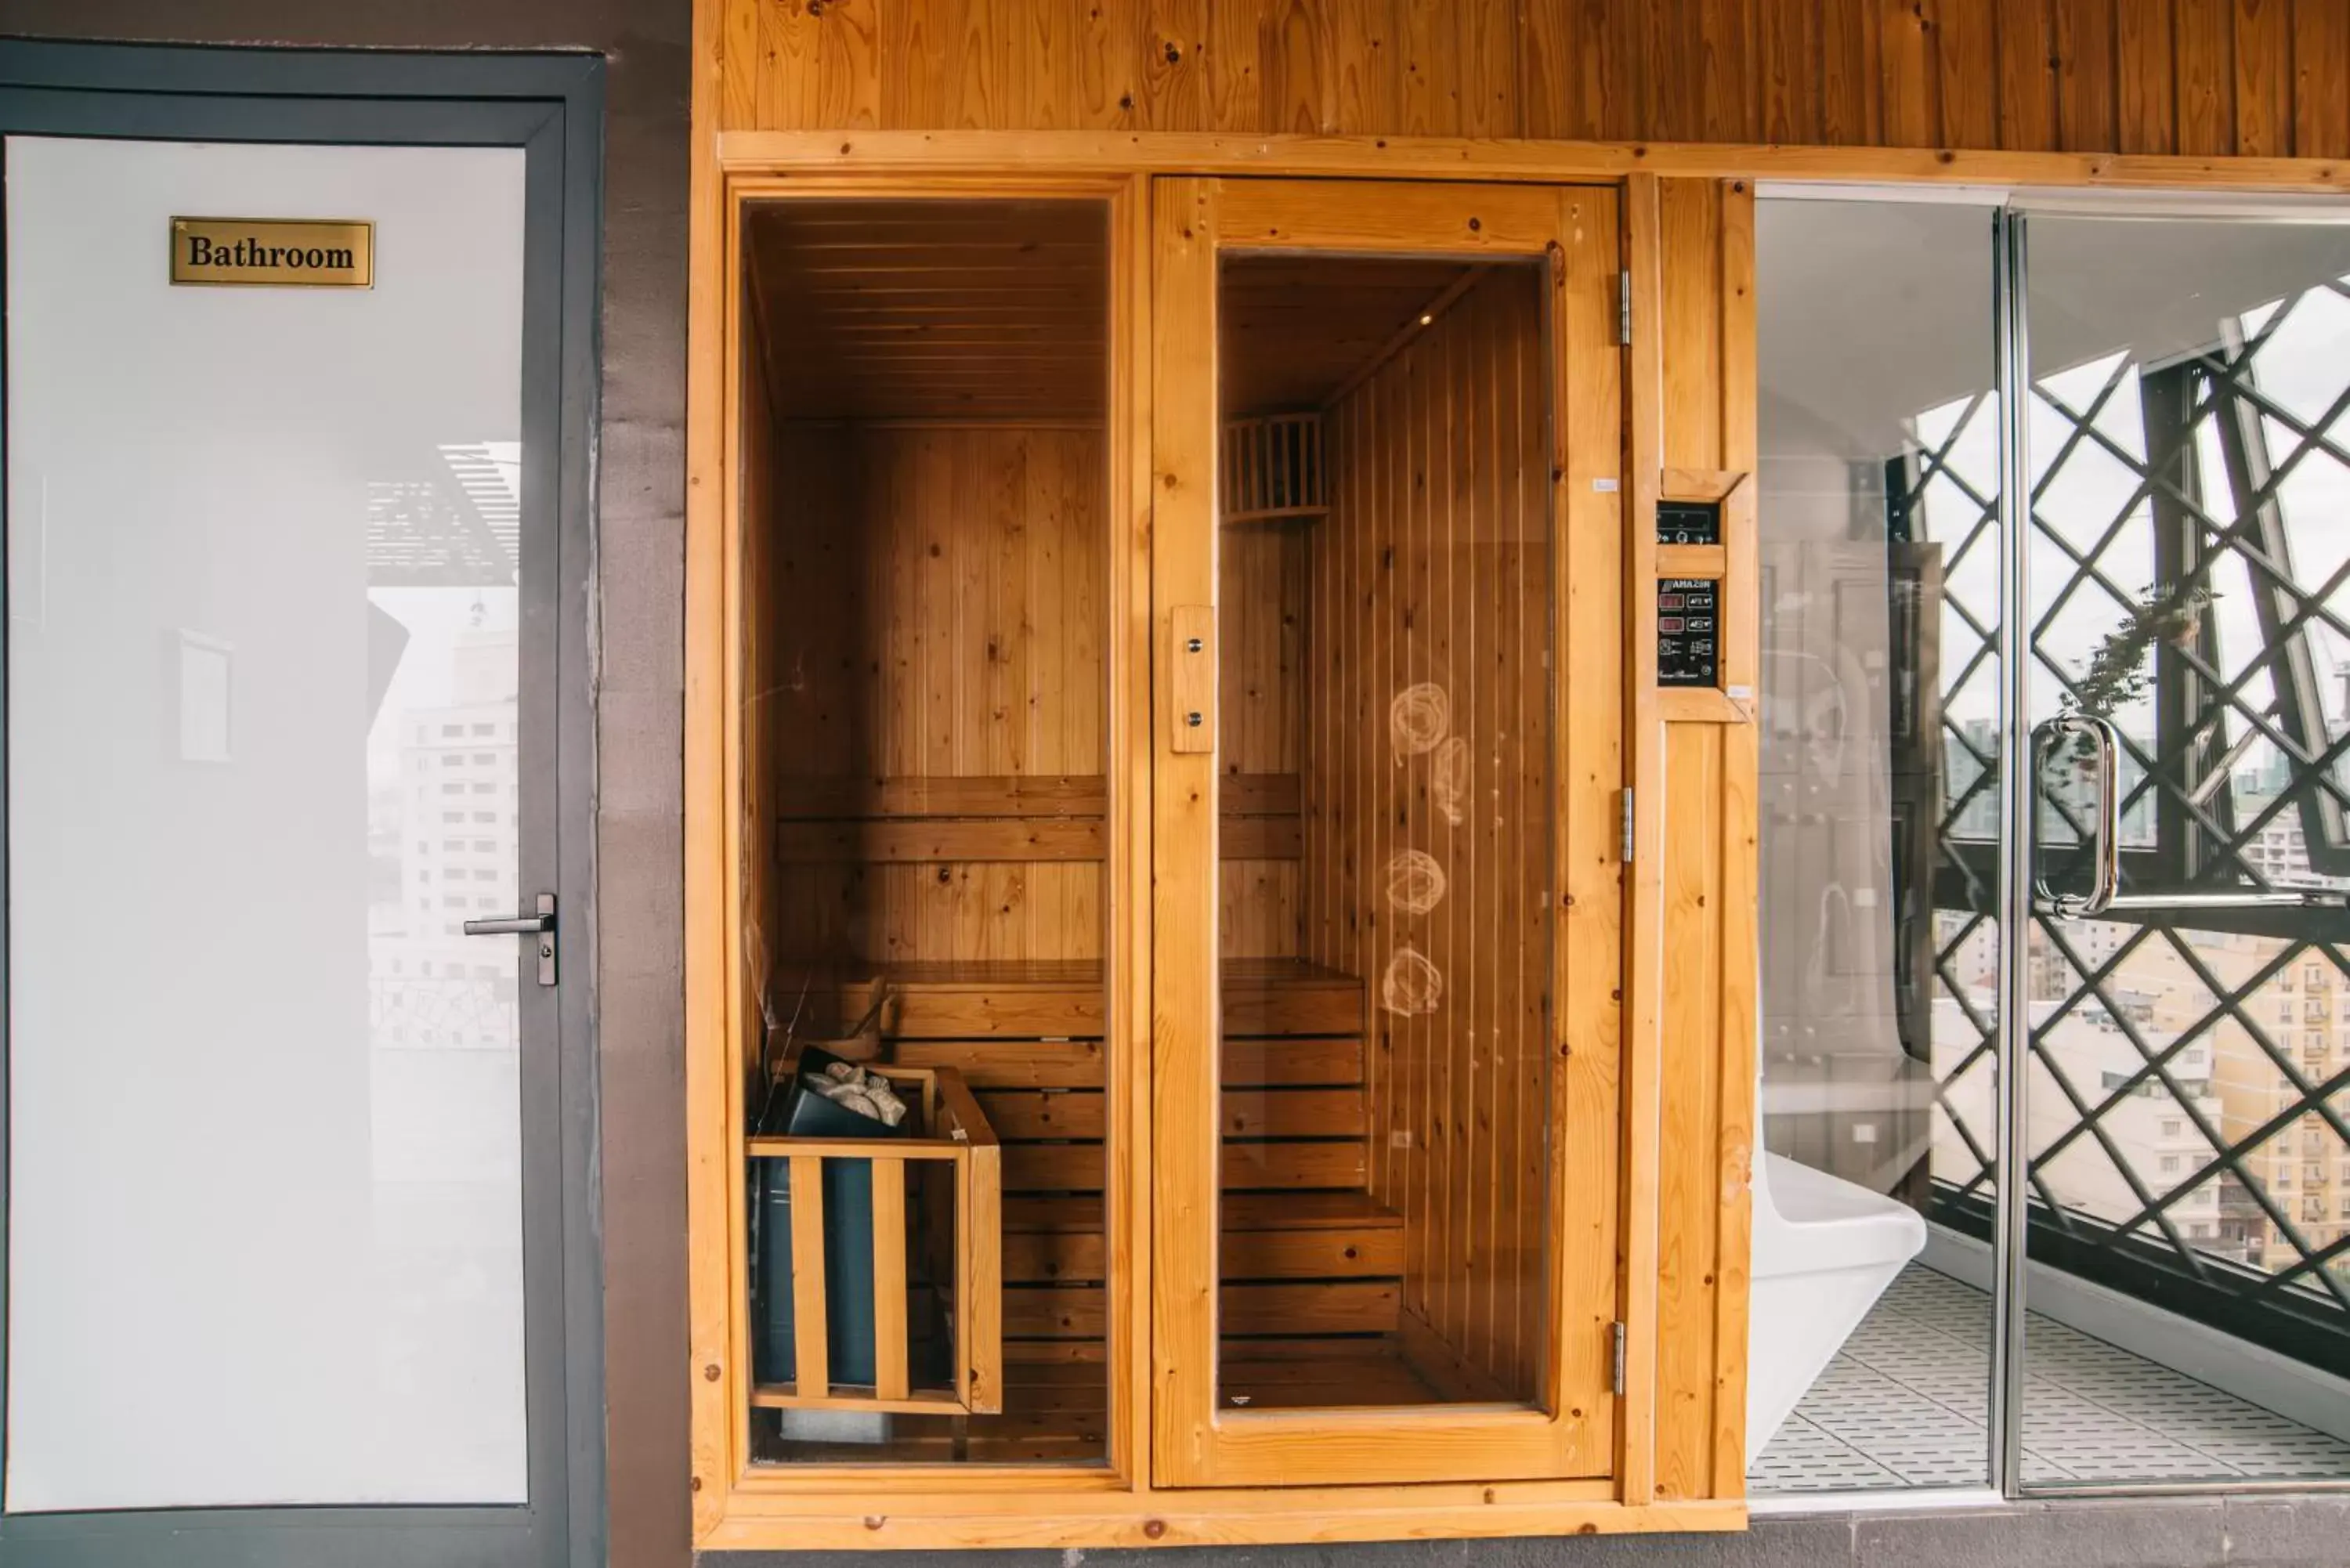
(1624, 309)
(1617, 1375)
(1625, 825)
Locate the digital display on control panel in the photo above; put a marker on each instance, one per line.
(1689, 522)
(1689, 631)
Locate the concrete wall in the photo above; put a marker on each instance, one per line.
(641, 483)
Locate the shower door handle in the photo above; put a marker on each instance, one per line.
(2106, 824)
(2104, 895)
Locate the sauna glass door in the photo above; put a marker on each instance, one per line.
(1386, 454)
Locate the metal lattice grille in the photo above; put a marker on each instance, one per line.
(2190, 1076)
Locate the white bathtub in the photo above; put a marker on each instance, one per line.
(1824, 1250)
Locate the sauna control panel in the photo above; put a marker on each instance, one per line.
(1689, 631)
(1689, 522)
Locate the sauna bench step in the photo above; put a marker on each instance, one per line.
(979, 999)
(1241, 1211)
(831, 798)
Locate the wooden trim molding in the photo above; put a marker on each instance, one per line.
(1455, 158)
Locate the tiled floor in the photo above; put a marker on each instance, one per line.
(1904, 1403)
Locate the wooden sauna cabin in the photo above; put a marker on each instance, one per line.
(1177, 737)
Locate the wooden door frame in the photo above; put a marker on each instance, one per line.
(981, 1507)
(717, 1219)
(1569, 1433)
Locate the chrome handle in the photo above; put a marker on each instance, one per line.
(513, 926)
(2105, 846)
(540, 924)
(2281, 899)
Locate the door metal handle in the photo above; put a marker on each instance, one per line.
(2278, 899)
(540, 925)
(514, 925)
(2105, 842)
(2104, 895)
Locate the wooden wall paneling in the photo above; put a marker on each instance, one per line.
(1581, 900)
(2321, 80)
(1851, 93)
(1183, 841)
(2147, 95)
(1420, 579)
(2086, 98)
(1636, 1414)
(1488, 54)
(2204, 57)
(932, 623)
(1791, 67)
(2263, 85)
(1740, 807)
(1689, 893)
(1910, 68)
(1967, 56)
(2196, 77)
(1704, 883)
(2028, 71)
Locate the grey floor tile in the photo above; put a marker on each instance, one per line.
(1906, 1401)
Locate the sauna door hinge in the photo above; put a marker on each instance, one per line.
(1615, 1363)
(1624, 822)
(1624, 309)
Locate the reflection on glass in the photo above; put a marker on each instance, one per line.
(926, 545)
(265, 1128)
(2186, 1130)
(1880, 710)
(1384, 557)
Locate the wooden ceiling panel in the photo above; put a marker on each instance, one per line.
(1296, 329)
(933, 309)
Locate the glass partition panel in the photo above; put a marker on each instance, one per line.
(266, 739)
(1881, 830)
(2190, 1049)
(1386, 831)
(925, 653)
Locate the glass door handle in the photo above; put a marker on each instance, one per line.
(540, 924)
(2104, 896)
(2106, 840)
(2279, 898)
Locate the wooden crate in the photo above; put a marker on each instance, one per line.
(953, 1132)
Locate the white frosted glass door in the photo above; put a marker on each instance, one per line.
(263, 747)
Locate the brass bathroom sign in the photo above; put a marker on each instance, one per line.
(281, 252)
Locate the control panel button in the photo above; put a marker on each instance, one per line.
(1687, 646)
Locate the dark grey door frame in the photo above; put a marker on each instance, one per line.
(550, 105)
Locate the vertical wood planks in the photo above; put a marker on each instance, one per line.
(1422, 580)
(2321, 78)
(2203, 58)
(1636, 1414)
(2086, 70)
(1704, 884)
(811, 1351)
(1184, 1027)
(2204, 76)
(2263, 85)
(929, 617)
(891, 1349)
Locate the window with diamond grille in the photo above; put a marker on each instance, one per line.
(2190, 557)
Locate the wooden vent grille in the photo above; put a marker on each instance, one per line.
(1273, 468)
